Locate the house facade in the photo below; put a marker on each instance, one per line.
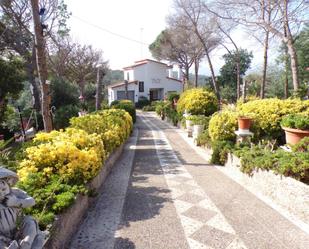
(146, 78)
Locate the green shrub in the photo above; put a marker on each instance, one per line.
(220, 150)
(296, 121)
(173, 96)
(199, 120)
(294, 164)
(302, 145)
(268, 113)
(149, 108)
(198, 101)
(126, 105)
(142, 102)
(63, 116)
(222, 126)
(204, 139)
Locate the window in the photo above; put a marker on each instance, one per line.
(141, 86)
(128, 76)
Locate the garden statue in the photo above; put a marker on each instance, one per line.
(17, 231)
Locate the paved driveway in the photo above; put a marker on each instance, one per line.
(163, 195)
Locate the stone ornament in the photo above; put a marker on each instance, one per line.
(17, 231)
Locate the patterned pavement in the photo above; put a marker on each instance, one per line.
(161, 194)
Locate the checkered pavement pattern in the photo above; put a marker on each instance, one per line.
(204, 225)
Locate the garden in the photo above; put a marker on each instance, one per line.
(266, 148)
(57, 166)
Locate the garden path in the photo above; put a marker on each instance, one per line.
(162, 194)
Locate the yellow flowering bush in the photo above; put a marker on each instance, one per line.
(58, 164)
(268, 113)
(114, 126)
(222, 126)
(74, 154)
(198, 101)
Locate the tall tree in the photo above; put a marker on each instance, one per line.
(203, 26)
(40, 49)
(287, 15)
(228, 73)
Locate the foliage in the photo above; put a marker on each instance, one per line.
(204, 139)
(220, 150)
(294, 164)
(113, 125)
(222, 126)
(198, 101)
(56, 165)
(142, 101)
(268, 114)
(63, 93)
(11, 78)
(63, 115)
(149, 108)
(173, 96)
(11, 119)
(295, 121)
(126, 105)
(199, 119)
(228, 72)
(302, 145)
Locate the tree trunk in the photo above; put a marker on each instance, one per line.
(238, 73)
(286, 61)
(98, 95)
(294, 65)
(263, 83)
(291, 49)
(196, 68)
(186, 76)
(41, 66)
(213, 78)
(35, 89)
(244, 91)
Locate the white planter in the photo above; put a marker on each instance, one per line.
(197, 130)
(189, 125)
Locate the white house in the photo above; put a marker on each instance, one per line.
(148, 78)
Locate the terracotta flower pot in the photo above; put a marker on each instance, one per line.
(293, 136)
(244, 123)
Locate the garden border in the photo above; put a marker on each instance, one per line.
(67, 223)
(284, 194)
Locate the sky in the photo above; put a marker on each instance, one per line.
(104, 23)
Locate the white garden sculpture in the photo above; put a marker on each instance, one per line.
(17, 231)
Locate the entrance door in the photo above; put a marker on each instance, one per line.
(156, 94)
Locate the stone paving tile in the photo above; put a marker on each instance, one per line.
(199, 213)
(213, 237)
(191, 198)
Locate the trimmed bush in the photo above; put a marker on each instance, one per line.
(57, 165)
(114, 126)
(126, 105)
(142, 102)
(198, 101)
(222, 126)
(268, 113)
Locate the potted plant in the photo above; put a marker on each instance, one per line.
(198, 122)
(244, 121)
(296, 127)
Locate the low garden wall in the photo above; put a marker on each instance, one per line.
(67, 223)
(286, 192)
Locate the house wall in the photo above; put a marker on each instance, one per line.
(112, 92)
(154, 76)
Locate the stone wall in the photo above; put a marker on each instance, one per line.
(285, 192)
